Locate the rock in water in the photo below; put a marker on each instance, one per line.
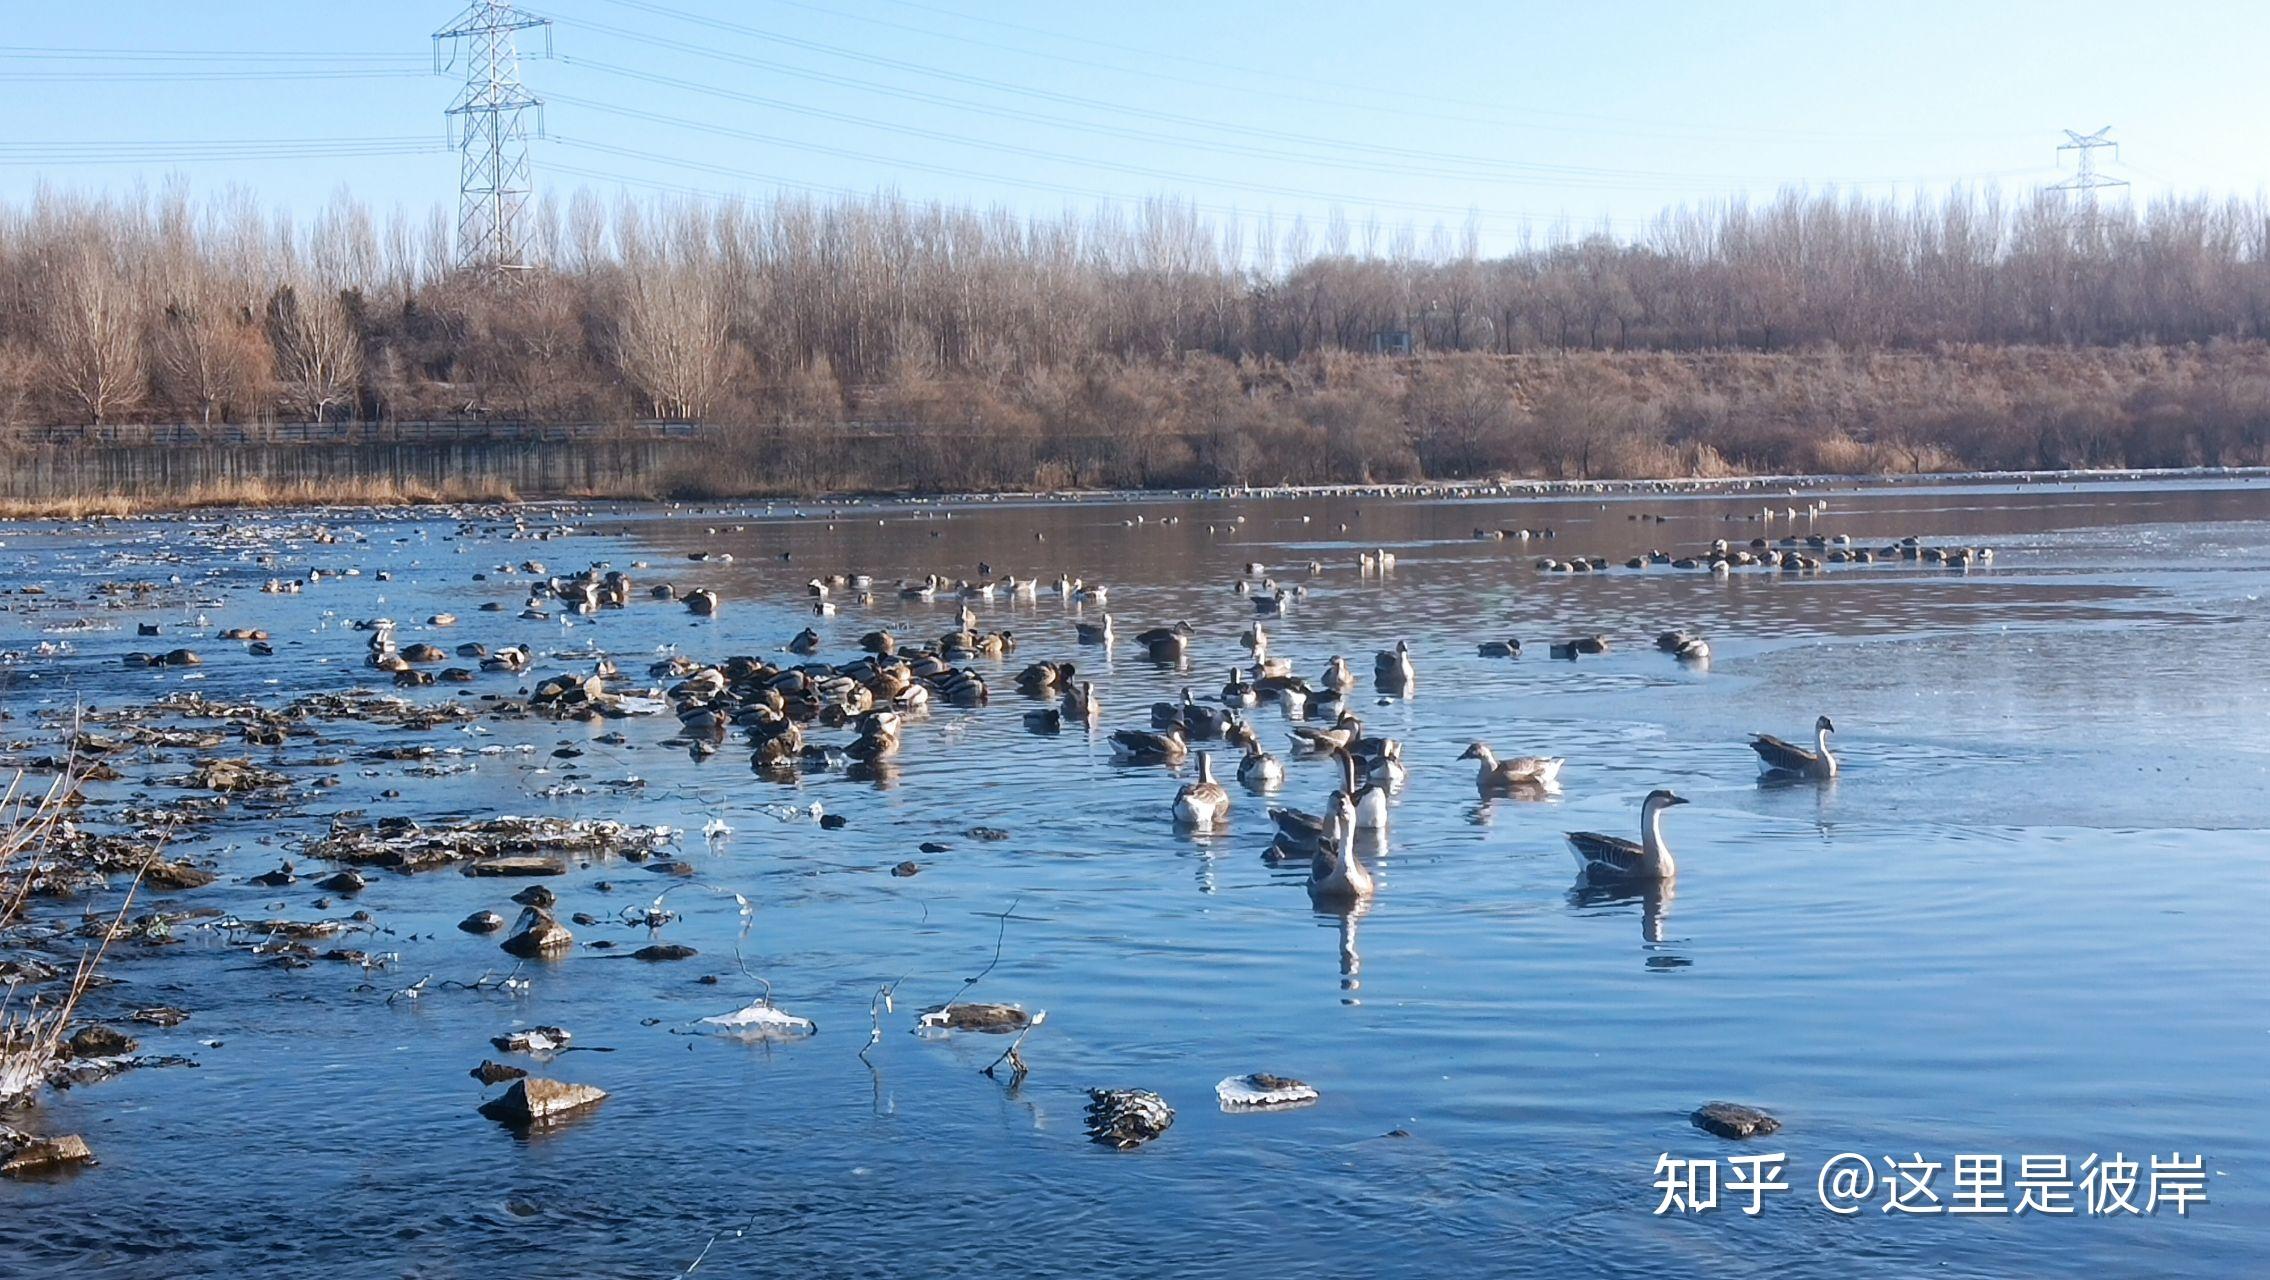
(533, 1100)
(1127, 1118)
(492, 1072)
(101, 1042)
(532, 865)
(1260, 1090)
(482, 922)
(998, 1019)
(538, 934)
(46, 1155)
(665, 951)
(761, 1021)
(347, 881)
(1733, 1120)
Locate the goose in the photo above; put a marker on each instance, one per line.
(1045, 720)
(806, 642)
(1782, 758)
(1496, 777)
(1300, 833)
(1259, 769)
(1693, 649)
(1385, 766)
(1199, 721)
(1080, 703)
(1165, 714)
(1095, 594)
(1337, 676)
(882, 643)
(1334, 874)
(1136, 746)
(702, 602)
(1394, 667)
(1271, 605)
(1369, 802)
(1239, 692)
(1179, 631)
(1204, 802)
(1169, 647)
(1600, 857)
(1256, 641)
(1094, 632)
(1044, 677)
(817, 589)
(1343, 731)
(1508, 648)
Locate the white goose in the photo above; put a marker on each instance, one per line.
(1335, 875)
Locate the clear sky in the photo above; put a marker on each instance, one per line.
(1587, 114)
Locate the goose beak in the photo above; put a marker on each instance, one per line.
(1467, 754)
(1677, 800)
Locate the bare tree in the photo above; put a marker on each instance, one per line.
(318, 354)
(91, 344)
(672, 341)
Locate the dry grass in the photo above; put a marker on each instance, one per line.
(31, 1036)
(255, 492)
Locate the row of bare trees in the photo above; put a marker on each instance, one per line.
(795, 311)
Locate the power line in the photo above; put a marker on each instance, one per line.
(2087, 181)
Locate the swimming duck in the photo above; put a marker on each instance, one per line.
(1781, 757)
(1136, 746)
(1204, 802)
(1508, 648)
(1094, 632)
(1239, 692)
(1600, 857)
(1497, 777)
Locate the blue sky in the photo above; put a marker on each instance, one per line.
(1528, 113)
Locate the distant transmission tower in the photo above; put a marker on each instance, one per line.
(2087, 182)
(489, 124)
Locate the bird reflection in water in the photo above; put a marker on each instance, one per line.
(1483, 811)
(1654, 899)
(1346, 915)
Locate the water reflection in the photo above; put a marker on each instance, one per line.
(1654, 899)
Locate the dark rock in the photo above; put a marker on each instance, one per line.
(932, 846)
(482, 922)
(536, 895)
(347, 881)
(905, 869)
(834, 822)
(101, 1042)
(495, 1072)
(584, 919)
(1127, 1118)
(175, 875)
(1733, 1120)
(987, 833)
(665, 951)
(162, 1015)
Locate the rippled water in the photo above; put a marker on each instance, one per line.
(2024, 920)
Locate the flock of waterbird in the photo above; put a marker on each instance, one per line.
(1324, 724)
(771, 705)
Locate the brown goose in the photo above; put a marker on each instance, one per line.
(1782, 758)
(1600, 857)
(1337, 738)
(1204, 802)
(1498, 777)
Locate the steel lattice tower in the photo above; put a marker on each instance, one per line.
(489, 125)
(2088, 181)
